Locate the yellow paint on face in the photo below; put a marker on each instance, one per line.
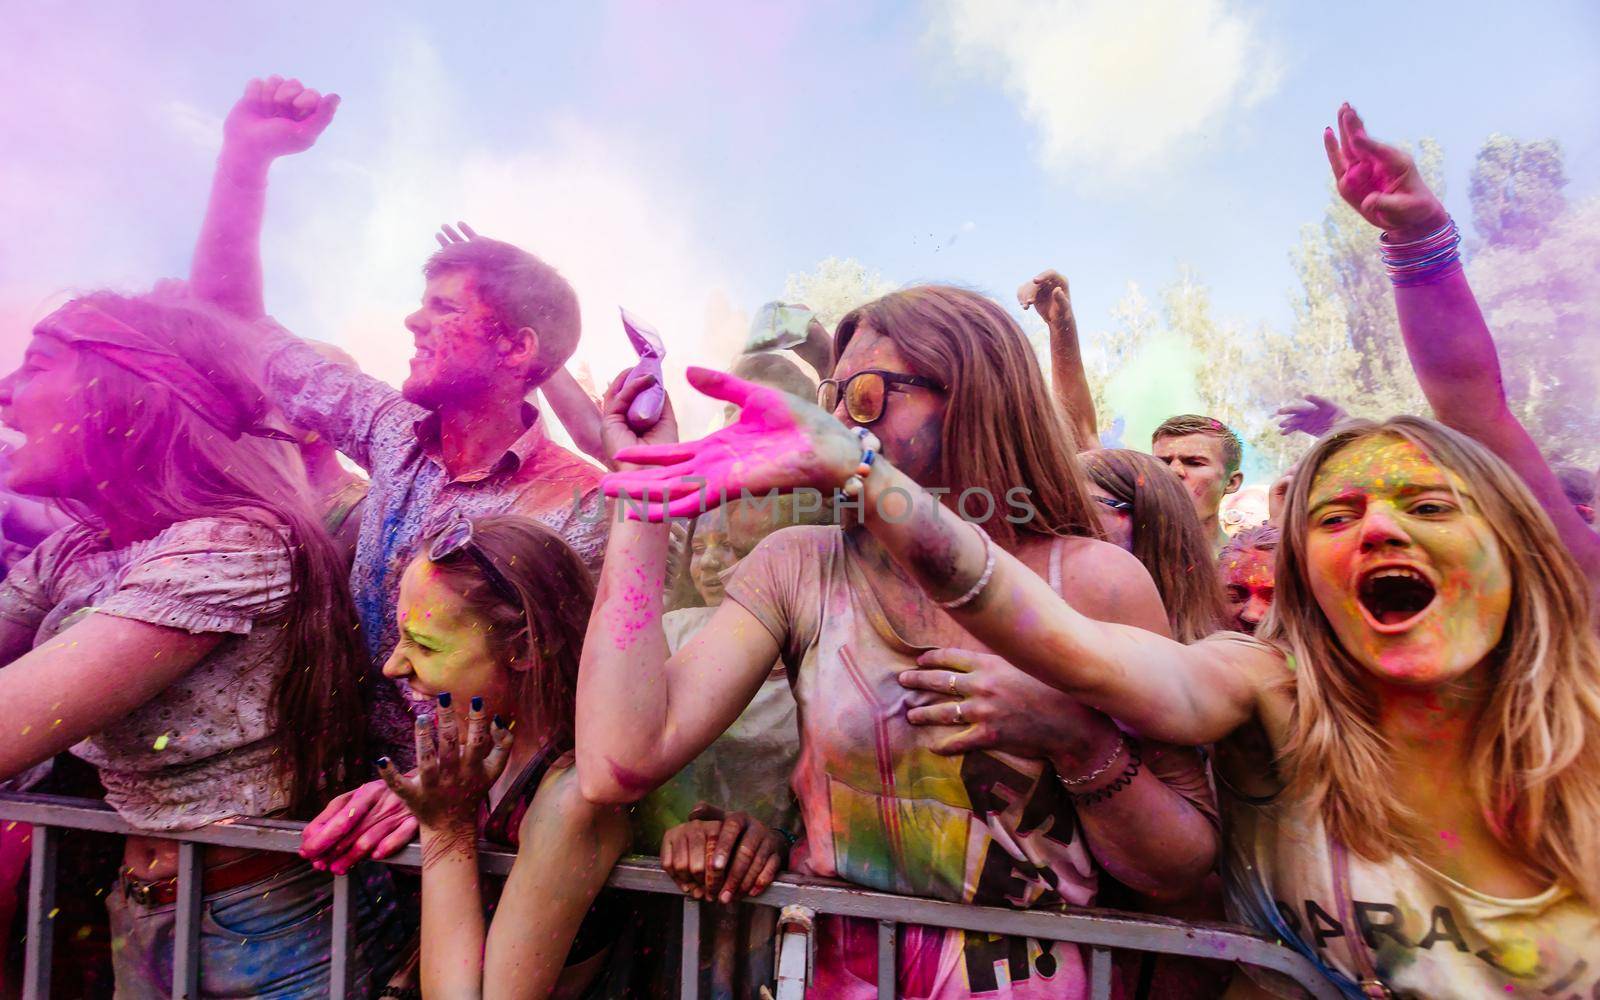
(444, 644)
(1381, 501)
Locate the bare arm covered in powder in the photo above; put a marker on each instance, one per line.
(1048, 295)
(576, 411)
(44, 689)
(1450, 346)
(642, 713)
(1162, 689)
(1186, 695)
(274, 118)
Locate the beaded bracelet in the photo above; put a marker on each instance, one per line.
(1425, 260)
(870, 445)
(1123, 780)
(788, 837)
(983, 580)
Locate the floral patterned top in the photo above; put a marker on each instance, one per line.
(203, 750)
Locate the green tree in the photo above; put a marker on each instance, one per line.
(1542, 302)
(834, 287)
(1516, 191)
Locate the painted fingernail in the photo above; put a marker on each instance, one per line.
(444, 699)
(425, 719)
(477, 703)
(383, 763)
(499, 723)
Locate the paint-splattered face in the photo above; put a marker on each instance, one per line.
(444, 645)
(42, 400)
(912, 425)
(457, 354)
(1196, 459)
(1246, 587)
(1403, 564)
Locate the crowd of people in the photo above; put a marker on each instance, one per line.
(899, 622)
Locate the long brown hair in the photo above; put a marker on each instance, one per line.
(158, 462)
(1002, 428)
(545, 630)
(1167, 537)
(1534, 761)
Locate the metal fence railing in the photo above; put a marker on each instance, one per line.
(1099, 931)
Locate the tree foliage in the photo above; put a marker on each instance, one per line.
(834, 287)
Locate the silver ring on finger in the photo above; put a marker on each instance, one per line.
(953, 692)
(959, 720)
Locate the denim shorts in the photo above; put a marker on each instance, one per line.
(272, 938)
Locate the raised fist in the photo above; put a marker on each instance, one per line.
(276, 117)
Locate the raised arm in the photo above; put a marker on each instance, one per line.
(1186, 695)
(642, 714)
(1049, 296)
(275, 117)
(576, 411)
(1450, 346)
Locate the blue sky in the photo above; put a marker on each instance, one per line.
(684, 158)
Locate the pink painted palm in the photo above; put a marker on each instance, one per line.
(1380, 181)
(780, 442)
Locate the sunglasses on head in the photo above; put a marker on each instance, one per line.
(455, 539)
(866, 393)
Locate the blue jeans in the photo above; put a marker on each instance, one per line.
(273, 938)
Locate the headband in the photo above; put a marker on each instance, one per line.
(83, 325)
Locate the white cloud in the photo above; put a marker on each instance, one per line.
(1112, 86)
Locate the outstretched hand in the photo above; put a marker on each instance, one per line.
(277, 117)
(779, 442)
(1380, 181)
(453, 772)
(1310, 414)
(1049, 297)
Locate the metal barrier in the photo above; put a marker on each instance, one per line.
(1099, 931)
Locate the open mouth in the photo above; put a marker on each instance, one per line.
(1394, 596)
(416, 700)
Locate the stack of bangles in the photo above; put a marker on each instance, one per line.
(1423, 261)
(1123, 780)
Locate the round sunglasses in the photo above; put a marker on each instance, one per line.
(866, 393)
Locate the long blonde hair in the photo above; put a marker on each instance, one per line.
(1535, 759)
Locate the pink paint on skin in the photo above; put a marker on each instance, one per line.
(1451, 841)
(629, 780)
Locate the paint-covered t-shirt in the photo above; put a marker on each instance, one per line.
(204, 749)
(1425, 934)
(884, 811)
